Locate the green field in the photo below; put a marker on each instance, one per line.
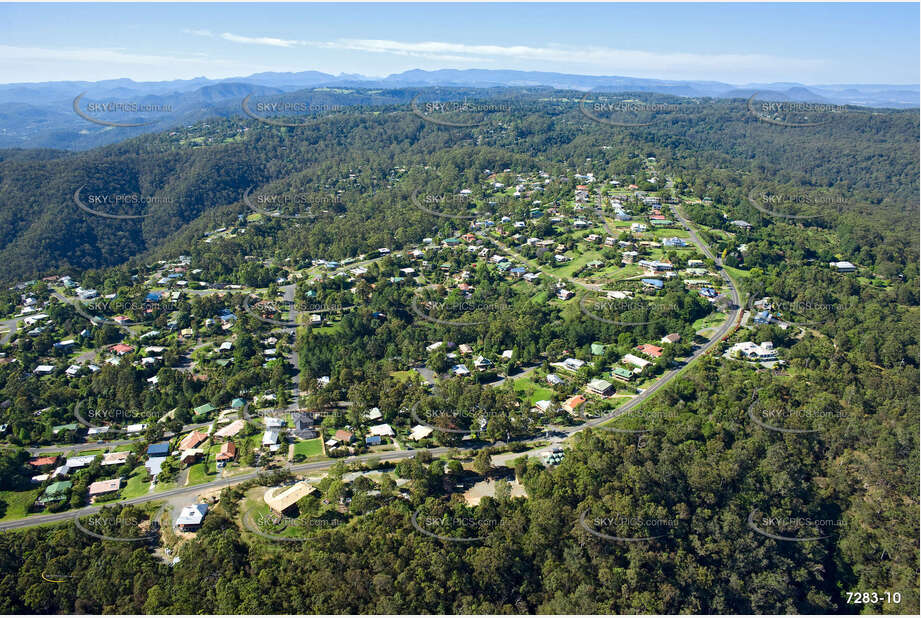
(309, 448)
(522, 385)
(136, 486)
(17, 502)
(199, 474)
(710, 321)
(577, 262)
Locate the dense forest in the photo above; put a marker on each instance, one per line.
(194, 178)
(697, 466)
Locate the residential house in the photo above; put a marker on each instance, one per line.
(843, 267)
(573, 364)
(282, 499)
(636, 361)
(190, 456)
(115, 459)
(190, 517)
(230, 430)
(343, 436)
(554, 379)
(572, 404)
(600, 387)
(624, 375)
(55, 492)
(650, 350)
(160, 449)
(671, 338)
(100, 488)
(40, 462)
(460, 370)
(227, 453)
(420, 432)
(382, 430)
(270, 439)
(192, 440)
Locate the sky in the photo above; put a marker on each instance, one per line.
(816, 44)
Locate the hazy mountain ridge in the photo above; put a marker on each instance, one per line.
(41, 115)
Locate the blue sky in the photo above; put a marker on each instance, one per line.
(736, 43)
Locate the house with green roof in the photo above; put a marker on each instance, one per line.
(204, 409)
(59, 428)
(55, 492)
(622, 374)
(237, 403)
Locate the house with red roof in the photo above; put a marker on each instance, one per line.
(650, 350)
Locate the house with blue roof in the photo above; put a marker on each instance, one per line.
(160, 449)
(653, 283)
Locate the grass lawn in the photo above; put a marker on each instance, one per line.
(309, 448)
(736, 273)
(577, 263)
(123, 447)
(522, 385)
(198, 474)
(402, 376)
(328, 330)
(165, 486)
(17, 502)
(714, 319)
(136, 486)
(95, 451)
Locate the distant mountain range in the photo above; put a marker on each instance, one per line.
(41, 114)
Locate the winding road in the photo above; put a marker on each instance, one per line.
(667, 377)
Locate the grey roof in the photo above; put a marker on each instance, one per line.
(192, 515)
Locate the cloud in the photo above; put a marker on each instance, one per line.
(206, 33)
(262, 40)
(97, 55)
(603, 58)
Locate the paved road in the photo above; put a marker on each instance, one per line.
(403, 454)
(88, 446)
(668, 376)
(191, 492)
(8, 327)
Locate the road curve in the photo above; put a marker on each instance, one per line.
(403, 454)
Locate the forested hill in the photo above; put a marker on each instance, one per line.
(177, 178)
